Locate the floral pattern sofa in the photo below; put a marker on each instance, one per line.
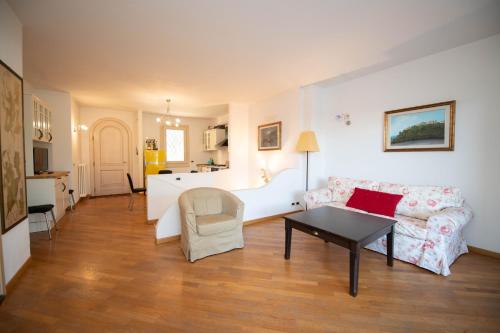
(430, 220)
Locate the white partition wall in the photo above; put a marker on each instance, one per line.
(163, 190)
(276, 197)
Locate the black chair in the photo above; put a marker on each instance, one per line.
(44, 209)
(165, 172)
(71, 198)
(133, 190)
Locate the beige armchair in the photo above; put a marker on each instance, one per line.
(211, 222)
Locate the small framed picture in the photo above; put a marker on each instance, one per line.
(421, 128)
(269, 137)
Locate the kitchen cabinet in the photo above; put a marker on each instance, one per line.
(47, 189)
(212, 137)
(42, 118)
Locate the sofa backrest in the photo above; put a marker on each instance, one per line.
(423, 201)
(342, 188)
(418, 201)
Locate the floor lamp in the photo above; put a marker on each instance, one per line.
(307, 142)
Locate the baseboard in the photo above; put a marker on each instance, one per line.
(11, 284)
(484, 252)
(91, 196)
(151, 221)
(167, 239)
(268, 218)
(246, 223)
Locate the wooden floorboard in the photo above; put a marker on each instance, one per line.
(104, 273)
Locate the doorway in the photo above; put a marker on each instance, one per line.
(112, 158)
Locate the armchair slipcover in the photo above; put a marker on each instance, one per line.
(211, 222)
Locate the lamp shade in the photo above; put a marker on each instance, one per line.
(307, 142)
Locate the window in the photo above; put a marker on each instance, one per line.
(176, 143)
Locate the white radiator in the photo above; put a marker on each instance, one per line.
(83, 179)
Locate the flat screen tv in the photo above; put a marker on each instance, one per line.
(40, 159)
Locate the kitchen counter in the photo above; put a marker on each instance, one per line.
(46, 175)
(209, 167)
(212, 165)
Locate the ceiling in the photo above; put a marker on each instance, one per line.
(134, 54)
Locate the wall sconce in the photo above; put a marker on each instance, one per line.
(264, 175)
(344, 117)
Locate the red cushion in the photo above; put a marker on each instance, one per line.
(374, 201)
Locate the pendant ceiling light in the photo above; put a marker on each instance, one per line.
(167, 117)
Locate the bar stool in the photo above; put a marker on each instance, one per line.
(72, 198)
(44, 209)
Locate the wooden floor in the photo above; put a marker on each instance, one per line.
(103, 273)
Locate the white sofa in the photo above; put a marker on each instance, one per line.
(430, 220)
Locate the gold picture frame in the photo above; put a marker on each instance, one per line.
(428, 127)
(269, 136)
(13, 199)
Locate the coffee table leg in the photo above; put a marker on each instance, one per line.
(288, 239)
(390, 247)
(353, 271)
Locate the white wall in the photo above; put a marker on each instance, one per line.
(11, 38)
(286, 107)
(238, 144)
(75, 147)
(16, 242)
(140, 147)
(61, 148)
(470, 75)
(151, 129)
(90, 115)
(64, 148)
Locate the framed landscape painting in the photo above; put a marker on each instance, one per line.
(12, 170)
(269, 137)
(420, 128)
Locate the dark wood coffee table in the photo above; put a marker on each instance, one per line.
(348, 229)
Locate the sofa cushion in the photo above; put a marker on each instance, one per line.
(374, 201)
(343, 188)
(423, 201)
(207, 205)
(214, 224)
(408, 226)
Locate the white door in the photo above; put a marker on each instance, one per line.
(111, 144)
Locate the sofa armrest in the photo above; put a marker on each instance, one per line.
(319, 197)
(449, 220)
